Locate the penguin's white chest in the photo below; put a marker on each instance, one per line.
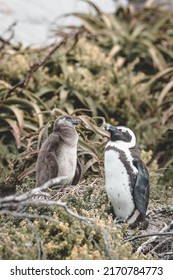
(118, 183)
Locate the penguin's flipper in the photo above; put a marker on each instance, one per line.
(42, 174)
(141, 189)
(51, 160)
(42, 166)
(77, 173)
(52, 165)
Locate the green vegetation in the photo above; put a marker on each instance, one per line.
(116, 68)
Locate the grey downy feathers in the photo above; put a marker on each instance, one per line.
(58, 154)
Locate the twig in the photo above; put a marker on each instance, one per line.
(4, 43)
(38, 239)
(16, 199)
(7, 41)
(162, 232)
(127, 239)
(162, 255)
(106, 242)
(38, 203)
(26, 200)
(25, 215)
(160, 245)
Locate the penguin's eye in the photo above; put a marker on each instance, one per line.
(67, 118)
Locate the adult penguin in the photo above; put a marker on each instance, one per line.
(126, 177)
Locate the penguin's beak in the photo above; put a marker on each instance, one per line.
(107, 126)
(111, 129)
(75, 121)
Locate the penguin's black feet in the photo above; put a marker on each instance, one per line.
(140, 224)
(144, 224)
(118, 222)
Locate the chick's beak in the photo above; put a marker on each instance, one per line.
(75, 121)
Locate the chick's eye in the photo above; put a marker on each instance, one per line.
(68, 118)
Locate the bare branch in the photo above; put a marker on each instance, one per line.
(23, 215)
(157, 243)
(7, 42)
(127, 239)
(13, 200)
(26, 200)
(106, 242)
(41, 253)
(162, 255)
(38, 203)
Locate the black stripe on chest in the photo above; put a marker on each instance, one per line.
(124, 160)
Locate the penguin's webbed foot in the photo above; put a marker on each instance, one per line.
(118, 222)
(144, 224)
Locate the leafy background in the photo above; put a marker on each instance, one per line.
(115, 68)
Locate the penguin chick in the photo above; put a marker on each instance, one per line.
(126, 177)
(58, 154)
